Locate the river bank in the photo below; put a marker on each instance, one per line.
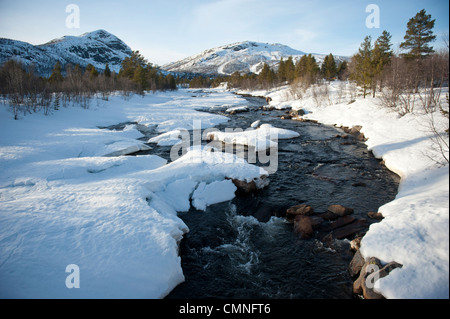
(415, 228)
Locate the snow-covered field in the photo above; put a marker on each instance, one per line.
(67, 198)
(415, 230)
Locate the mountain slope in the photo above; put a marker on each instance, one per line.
(244, 56)
(97, 48)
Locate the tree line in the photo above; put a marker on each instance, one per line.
(28, 92)
(306, 69)
(374, 68)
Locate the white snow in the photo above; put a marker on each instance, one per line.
(415, 230)
(167, 139)
(246, 56)
(242, 108)
(213, 193)
(66, 197)
(262, 138)
(64, 201)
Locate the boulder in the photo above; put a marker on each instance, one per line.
(301, 209)
(361, 137)
(355, 129)
(375, 215)
(340, 210)
(360, 284)
(263, 213)
(328, 216)
(371, 271)
(304, 226)
(350, 230)
(356, 264)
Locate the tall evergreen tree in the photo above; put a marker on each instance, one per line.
(307, 69)
(281, 74)
(382, 53)
(267, 76)
(107, 71)
(341, 70)
(329, 69)
(363, 69)
(289, 69)
(419, 35)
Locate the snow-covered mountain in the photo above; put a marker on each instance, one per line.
(244, 57)
(97, 48)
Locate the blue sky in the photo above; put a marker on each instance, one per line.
(168, 30)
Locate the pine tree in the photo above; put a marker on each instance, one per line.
(290, 69)
(267, 76)
(107, 71)
(281, 74)
(341, 70)
(329, 69)
(419, 35)
(382, 54)
(363, 69)
(307, 69)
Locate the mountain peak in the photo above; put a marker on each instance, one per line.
(97, 48)
(244, 57)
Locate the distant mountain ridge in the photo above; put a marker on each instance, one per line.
(244, 57)
(97, 48)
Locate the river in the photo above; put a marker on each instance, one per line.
(240, 249)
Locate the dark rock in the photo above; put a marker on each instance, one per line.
(340, 222)
(245, 187)
(359, 184)
(350, 230)
(340, 210)
(301, 209)
(263, 213)
(375, 215)
(328, 216)
(304, 226)
(356, 264)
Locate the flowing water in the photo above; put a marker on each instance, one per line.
(240, 249)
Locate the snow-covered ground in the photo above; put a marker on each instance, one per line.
(68, 198)
(415, 230)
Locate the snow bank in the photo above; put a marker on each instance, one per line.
(66, 197)
(415, 230)
(262, 138)
(213, 193)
